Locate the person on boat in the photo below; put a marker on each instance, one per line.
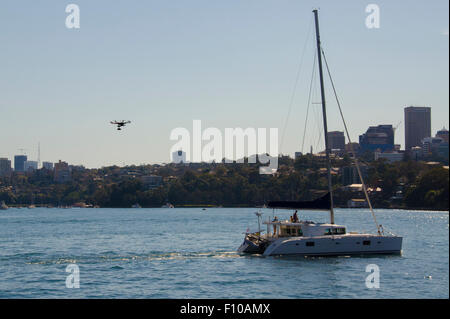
(295, 218)
(275, 219)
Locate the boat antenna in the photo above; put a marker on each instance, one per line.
(324, 113)
(379, 228)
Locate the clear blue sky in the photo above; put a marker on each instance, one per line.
(233, 63)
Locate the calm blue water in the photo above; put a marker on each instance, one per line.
(190, 253)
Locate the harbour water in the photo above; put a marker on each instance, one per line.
(191, 253)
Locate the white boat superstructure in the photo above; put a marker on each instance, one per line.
(307, 238)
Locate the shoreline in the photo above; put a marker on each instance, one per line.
(213, 206)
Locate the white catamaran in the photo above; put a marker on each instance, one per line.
(306, 238)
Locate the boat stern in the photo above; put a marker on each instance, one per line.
(252, 244)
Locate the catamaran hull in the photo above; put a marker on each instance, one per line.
(335, 246)
(248, 247)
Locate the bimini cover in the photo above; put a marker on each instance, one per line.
(322, 203)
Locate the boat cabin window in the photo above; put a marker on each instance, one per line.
(366, 242)
(291, 231)
(335, 231)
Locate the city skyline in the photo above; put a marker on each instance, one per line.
(336, 137)
(229, 65)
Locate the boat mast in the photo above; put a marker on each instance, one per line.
(324, 113)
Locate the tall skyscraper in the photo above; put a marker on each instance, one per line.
(19, 163)
(336, 140)
(417, 125)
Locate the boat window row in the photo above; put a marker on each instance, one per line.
(291, 231)
(335, 231)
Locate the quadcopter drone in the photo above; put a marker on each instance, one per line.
(120, 124)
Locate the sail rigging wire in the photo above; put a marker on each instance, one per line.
(315, 139)
(351, 146)
(318, 120)
(313, 75)
(294, 90)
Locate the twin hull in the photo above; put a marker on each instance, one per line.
(326, 245)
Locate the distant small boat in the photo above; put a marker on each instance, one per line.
(168, 205)
(3, 206)
(32, 206)
(136, 206)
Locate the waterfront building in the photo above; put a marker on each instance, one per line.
(417, 125)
